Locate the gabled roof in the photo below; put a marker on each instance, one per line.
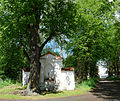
(51, 54)
(67, 69)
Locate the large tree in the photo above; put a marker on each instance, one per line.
(32, 23)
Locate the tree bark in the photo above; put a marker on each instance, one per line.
(79, 72)
(117, 65)
(93, 70)
(34, 59)
(26, 55)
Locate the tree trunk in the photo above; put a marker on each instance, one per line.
(110, 71)
(93, 70)
(35, 53)
(61, 46)
(38, 66)
(86, 68)
(79, 72)
(114, 67)
(35, 66)
(117, 65)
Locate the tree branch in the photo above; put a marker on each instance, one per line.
(24, 51)
(45, 42)
(26, 55)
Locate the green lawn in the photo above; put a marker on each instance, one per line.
(8, 93)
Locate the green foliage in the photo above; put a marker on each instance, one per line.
(70, 61)
(1, 73)
(24, 87)
(114, 78)
(90, 83)
(12, 59)
(7, 82)
(88, 43)
(90, 22)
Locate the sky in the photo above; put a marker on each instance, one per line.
(56, 48)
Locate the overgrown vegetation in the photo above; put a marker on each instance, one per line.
(115, 78)
(88, 84)
(7, 82)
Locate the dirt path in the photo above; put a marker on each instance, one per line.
(104, 91)
(107, 90)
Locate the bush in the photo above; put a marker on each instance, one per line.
(90, 83)
(7, 82)
(113, 78)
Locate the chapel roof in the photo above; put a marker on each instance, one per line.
(51, 54)
(67, 69)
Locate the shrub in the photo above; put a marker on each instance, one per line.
(90, 83)
(113, 78)
(7, 82)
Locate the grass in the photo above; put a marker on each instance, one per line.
(83, 88)
(5, 93)
(90, 83)
(115, 78)
(7, 82)
(9, 89)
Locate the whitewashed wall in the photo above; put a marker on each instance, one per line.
(50, 65)
(25, 77)
(51, 69)
(67, 80)
(51, 76)
(102, 69)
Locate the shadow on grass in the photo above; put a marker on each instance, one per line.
(22, 90)
(50, 92)
(109, 91)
